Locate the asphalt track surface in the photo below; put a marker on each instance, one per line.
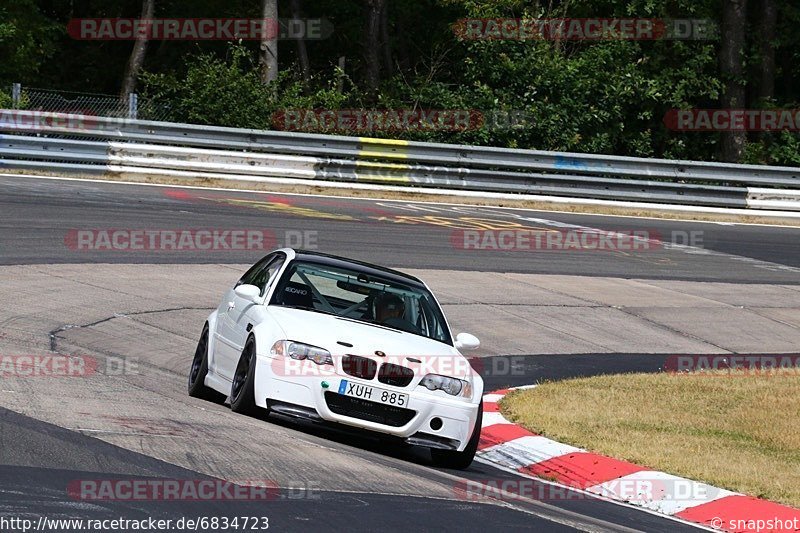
(36, 216)
(41, 462)
(34, 489)
(40, 459)
(335, 510)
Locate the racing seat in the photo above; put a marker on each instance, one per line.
(297, 295)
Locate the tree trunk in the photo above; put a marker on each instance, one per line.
(733, 29)
(268, 55)
(766, 68)
(136, 59)
(340, 75)
(302, 52)
(372, 49)
(386, 43)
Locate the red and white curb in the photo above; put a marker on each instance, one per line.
(513, 447)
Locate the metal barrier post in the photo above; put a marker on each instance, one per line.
(133, 105)
(16, 95)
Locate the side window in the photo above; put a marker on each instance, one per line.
(267, 274)
(250, 276)
(428, 323)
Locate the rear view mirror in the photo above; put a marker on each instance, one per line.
(251, 293)
(353, 287)
(465, 341)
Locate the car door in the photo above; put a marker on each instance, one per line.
(236, 313)
(225, 352)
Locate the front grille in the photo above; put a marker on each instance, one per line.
(370, 411)
(396, 375)
(359, 367)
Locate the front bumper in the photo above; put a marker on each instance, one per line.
(431, 419)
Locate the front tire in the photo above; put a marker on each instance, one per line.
(460, 460)
(199, 369)
(243, 386)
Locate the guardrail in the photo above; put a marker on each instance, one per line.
(84, 145)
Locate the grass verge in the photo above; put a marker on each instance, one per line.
(732, 430)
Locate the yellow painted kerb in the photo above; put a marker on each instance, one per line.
(385, 148)
(380, 166)
(371, 140)
(382, 149)
(378, 177)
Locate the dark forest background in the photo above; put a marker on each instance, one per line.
(584, 96)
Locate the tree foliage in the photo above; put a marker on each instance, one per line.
(607, 96)
(27, 40)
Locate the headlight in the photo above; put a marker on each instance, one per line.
(452, 386)
(300, 351)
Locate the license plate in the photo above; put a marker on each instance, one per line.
(373, 394)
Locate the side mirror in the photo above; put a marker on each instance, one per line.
(465, 341)
(251, 293)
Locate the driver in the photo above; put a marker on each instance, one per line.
(389, 310)
(389, 306)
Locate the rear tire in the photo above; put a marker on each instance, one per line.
(460, 460)
(243, 399)
(199, 369)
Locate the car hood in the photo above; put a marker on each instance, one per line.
(326, 331)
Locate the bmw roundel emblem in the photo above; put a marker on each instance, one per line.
(380, 353)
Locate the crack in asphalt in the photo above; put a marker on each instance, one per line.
(53, 334)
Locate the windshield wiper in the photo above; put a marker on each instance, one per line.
(370, 322)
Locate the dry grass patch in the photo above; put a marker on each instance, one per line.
(736, 431)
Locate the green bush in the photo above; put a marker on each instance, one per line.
(603, 97)
(5, 99)
(228, 92)
(781, 148)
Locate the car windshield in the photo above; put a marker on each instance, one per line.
(357, 295)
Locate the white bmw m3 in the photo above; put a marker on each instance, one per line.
(330, 339)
